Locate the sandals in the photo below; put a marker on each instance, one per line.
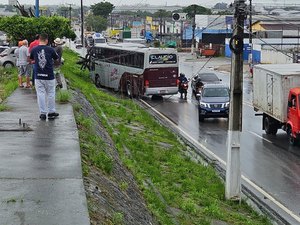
(28, 87)
(21, 86)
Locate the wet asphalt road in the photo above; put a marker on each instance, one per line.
(268, 161)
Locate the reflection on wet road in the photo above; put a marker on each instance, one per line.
(268, 161)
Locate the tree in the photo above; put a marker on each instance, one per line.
(20, 28)
(198, 10)
(96, 23)
(162, 14)
(102, 9)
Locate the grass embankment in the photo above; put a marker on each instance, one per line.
(8, 83)
(177, 189)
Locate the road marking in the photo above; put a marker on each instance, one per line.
(251, 183)
(255, 134)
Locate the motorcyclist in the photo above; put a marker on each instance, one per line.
(182, 79)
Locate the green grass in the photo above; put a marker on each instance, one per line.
(63, 96)
(176, 189)
(8, 83)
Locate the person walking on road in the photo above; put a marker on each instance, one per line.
(43, 56)
(23, 64)
(59, 50)
(31, 46)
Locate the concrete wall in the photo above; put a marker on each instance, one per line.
(275, 57)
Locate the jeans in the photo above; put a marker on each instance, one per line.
(45, 90)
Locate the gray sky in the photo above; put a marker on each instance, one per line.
(152, 2)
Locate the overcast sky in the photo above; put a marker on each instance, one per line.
(152, 2)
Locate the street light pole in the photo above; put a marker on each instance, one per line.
(37, 8)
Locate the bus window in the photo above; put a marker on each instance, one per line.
(163, 59)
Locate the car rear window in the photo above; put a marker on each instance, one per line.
(215, 92)
(209, 77)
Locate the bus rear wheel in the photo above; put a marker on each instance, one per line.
(129, 90)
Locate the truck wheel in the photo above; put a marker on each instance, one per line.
(269, 125)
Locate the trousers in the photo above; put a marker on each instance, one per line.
(45, 90)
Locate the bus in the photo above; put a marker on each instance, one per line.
(135, 69)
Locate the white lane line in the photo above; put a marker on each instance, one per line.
(255, 134)
(251, 183)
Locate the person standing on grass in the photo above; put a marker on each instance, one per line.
(59, 50)
(23, 64)
(43, 56)
(31, 46)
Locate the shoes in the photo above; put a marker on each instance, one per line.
(21, 86)
(59, 86)
(43, 117)
(52, 116)
(28, 86)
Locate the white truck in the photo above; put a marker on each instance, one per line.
(276, 93)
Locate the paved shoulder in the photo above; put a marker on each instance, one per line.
(40, 169)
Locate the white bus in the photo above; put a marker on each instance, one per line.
(135, 69)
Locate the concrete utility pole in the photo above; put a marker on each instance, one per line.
(81, 10)
(233, 171)
(193, 45)
(70, 11)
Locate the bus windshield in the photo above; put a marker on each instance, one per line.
(162, 59)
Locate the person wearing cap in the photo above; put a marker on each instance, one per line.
(59, 50)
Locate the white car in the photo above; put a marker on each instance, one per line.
(8, 58)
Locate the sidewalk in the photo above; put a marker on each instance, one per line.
(40, 170)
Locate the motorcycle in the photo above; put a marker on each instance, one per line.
(183, 87)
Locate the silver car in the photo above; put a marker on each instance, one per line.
(8, 57)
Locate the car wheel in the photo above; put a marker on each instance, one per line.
(8, 65)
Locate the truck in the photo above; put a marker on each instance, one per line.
(276, 93)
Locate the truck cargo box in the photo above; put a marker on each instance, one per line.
(271, 85)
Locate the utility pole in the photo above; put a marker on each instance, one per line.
(70, 11)
(250, 60)
(160, 28)
(193, 29)
(233, 171)
(181, 33)
(81, 10)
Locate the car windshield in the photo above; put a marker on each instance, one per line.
(208, 77)
(215, 92)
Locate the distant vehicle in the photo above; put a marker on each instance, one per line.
(201, 79)
(98, 39)
(78, 45)
(214, 101)
(135, 69)
(276, 94)
(8, 57)
(134, 40)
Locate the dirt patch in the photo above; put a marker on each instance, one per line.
(113, 198)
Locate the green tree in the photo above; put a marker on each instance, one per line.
(102, 9)
(19, 27)
(197, 9)
(96, 23)
(162, 14)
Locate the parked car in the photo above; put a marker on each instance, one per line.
(2, 48)
(201, 79)
(8, 57)
(214, 101)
